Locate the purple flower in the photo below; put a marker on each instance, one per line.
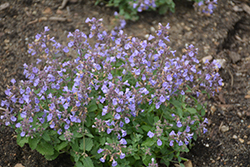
(38, 36)
(65, 49)
(100, 150)
(13, 118)
(117, 116)
(102, 160)
(122, 156)
(187, 129)
(49, 117)
(180, 143)
(46, 28)
(13, 81)
(159, 142)
(179, 124)
(118, 109)
(105, 89)
(110, 76)
(162, 99)
(114, 101)
(124, 133)
(22, 134)
(104, 110)
(59, 131)
(123, 141)
(150, 134)
(204, 130)
(172, 133)
(18, 125)
(109, 130)
(114, 163)
(171, 143)
(7, 92)
(121, 124)
(127, 120)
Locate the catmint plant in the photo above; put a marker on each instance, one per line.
(121, 101)
(205, 6)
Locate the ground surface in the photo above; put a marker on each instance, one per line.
(223, 35)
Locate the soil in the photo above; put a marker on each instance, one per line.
(223, 35)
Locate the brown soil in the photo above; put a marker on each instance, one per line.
(223, 35)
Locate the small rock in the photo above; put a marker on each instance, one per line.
(34, 12)
(247, 96)
(47, 11)
(4, 6)
(235, 137)
(241, 140)
(59, 11)
(146, 36)
(213, 109)
(18, 165)
(235, 57)
(245, 137)
(237, 9)
(188, 163)
(152, 29)
(224, 128)
(239, 114)
(209, 58)
(246, 8)
(6, 41)
(248, 142)
(222, 62)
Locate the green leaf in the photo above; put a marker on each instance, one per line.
(62, 137)
(176, 103)
(88, 144)
(199, 107)
(203, 112)
(33, 142)
(87, 162)
(52, 157)
(78, 164)
(75, 145)
(147, 159)
(102, 140)
(148, 142)
(179, 111)
(146, 127)
(77, 135)
(46, 137)
(61, 146)
(21, 140)
(92, 106)
(152, 107)
(191, 110)
(182, 165)
(137, 157)
(89, 135)
(45, 148)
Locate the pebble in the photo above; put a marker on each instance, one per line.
(213, 109)
(235, 137)
(152, 29)
(222, 62)
(235, 57)
(248, 142)
(239, 114)
(209, 58)
(241, 140)
(224, 128)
